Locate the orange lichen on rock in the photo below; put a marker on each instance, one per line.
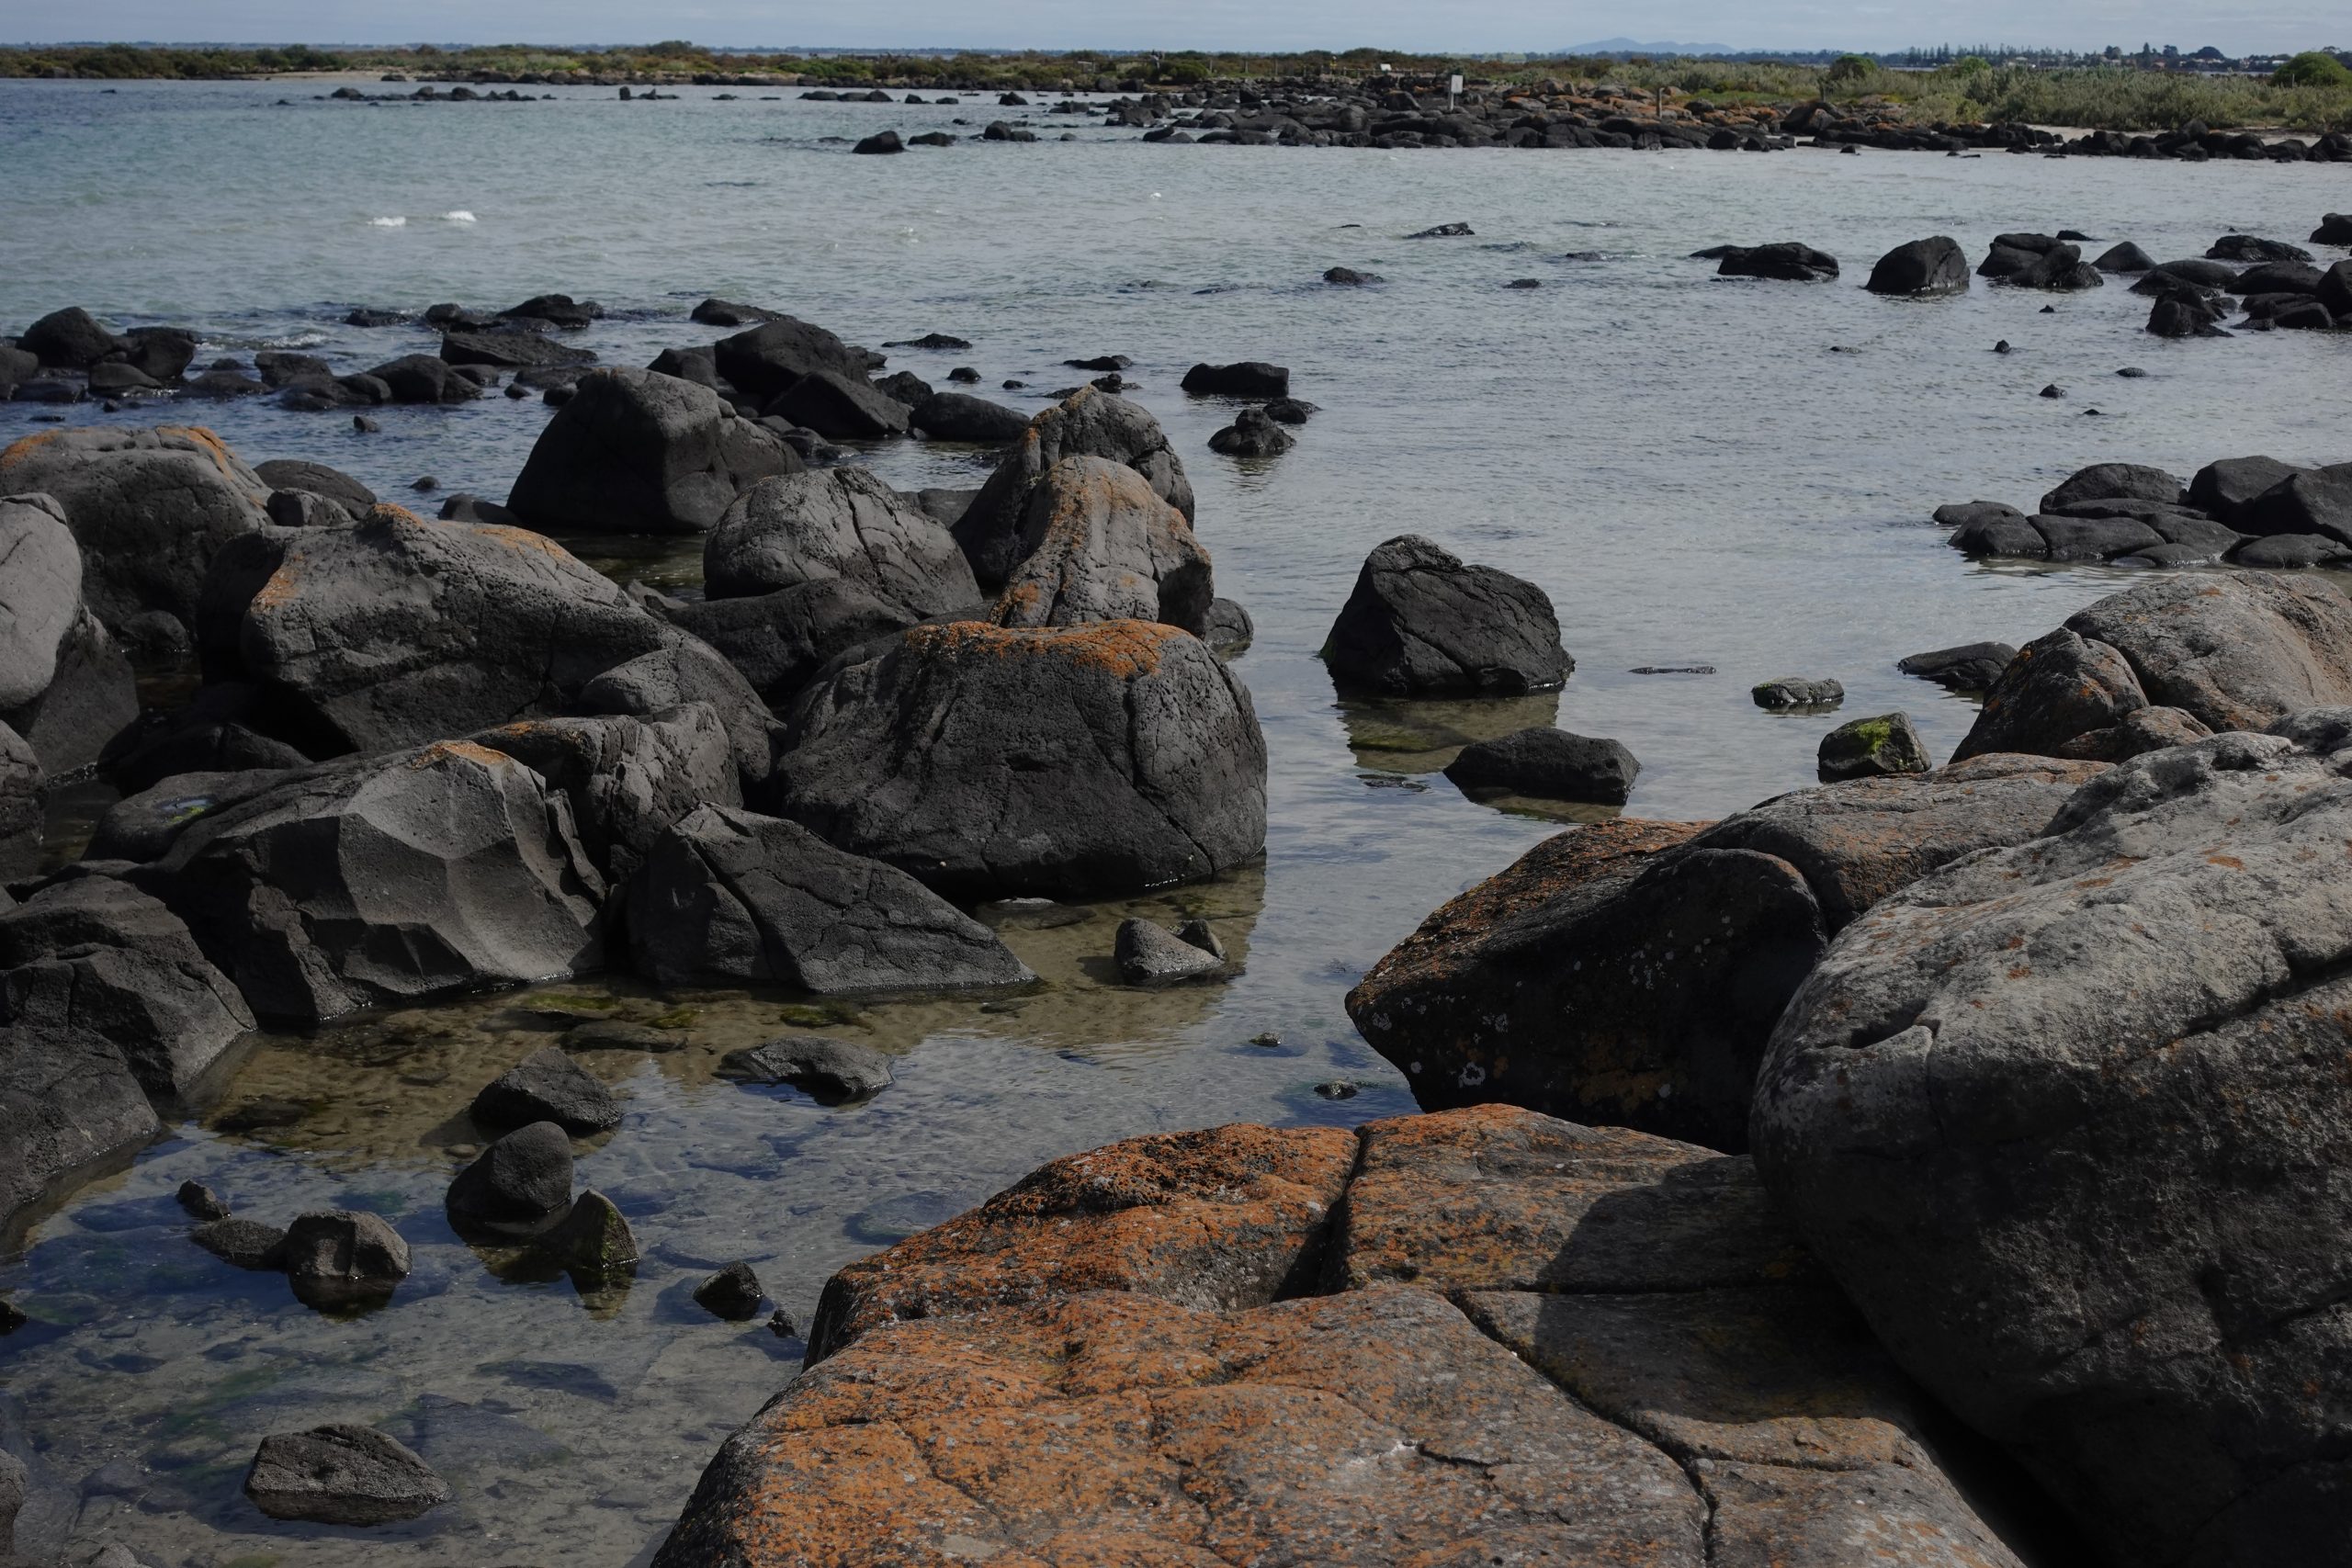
(209, 444)
(441, 751)
(25, 446)
(1227, 1217)
(1122, 649)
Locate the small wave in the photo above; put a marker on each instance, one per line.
(388, 222)
(460, 216)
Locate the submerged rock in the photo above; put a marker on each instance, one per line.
(1252, 434)
(733, 1295)
(342, 1258)
(1419, 623)
(1798, 691)
(1872, 748)
(522, 1181)
(342, 1475)
(1148, 953)
(1970, 667)
(243, 1244)
(593, 1240)
(70, 1103)
(1550, 764)
(1923, 268)
(832, 1070)
(548, 1086)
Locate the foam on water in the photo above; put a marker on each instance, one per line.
(388, 222)
(459, 216)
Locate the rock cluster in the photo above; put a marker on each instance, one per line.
(2251, 512)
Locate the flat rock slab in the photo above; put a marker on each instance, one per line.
(832, 1071)
(342, 1475)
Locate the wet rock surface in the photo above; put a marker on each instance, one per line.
(549, 1087)
(832, 1071)
(1419, 622)
(342, 1475)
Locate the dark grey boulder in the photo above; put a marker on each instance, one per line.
(242, 1243)
(906, 387)
(840, 407)
(728, 896)
(1970, 667)
(1349, 277)
(1228, 629)
(1097, 543)
(2238, 651)
(2093, 538)
(69, 339)
(617, 1035)
(2198, 271)
(2290, 552)
(342, 1475)
(1252, 434)
(548, 1086)
(97, 955)
(1420, 623)
(2125, 257)
(1921, 268)
(593, 1241)
(1785, 261)
(2310, 500)
(2108, 482)
(718, 313)
(425, 378)
(70, 1103)
(880, 142)
(1877, 747)
(200, 1201)
(682, 672)
(628, 778)
(837, 524)
(151, 510)
(2278, 277)
(780, 641)
(1087, 424)
(510, 350)
(522, 1182)
(343, 1258)
(770, 357)
(1550, 764)
(2054, 688)
(1797, 692)
(212, 736)
(23, 819)
(317, 479)
(731, 1295)
(1148, 953)
(65, 689)
(2335, 229)
(2062, 1121)
(954, 416)
(834, 1070)
(635, 452)
(388, 879)
(1063, 761)
(1249, 379)
(2253, 248)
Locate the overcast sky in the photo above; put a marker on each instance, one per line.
(1449, 25)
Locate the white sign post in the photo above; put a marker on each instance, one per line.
(1453, 89)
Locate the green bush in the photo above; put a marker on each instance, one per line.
(2311, 68)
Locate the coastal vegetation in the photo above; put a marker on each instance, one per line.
(2312, 93)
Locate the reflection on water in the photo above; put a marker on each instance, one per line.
(1398, 736)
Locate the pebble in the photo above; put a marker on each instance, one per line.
(1337, 1088)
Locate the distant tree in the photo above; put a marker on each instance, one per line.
(1848, 68)
(1971, 65)
(2312, 68)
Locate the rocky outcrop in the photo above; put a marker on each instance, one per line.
(388, 879)
(150, 509)
(1463, 1338)
(2062, 1119)
(731, 898)
(64, 687)
(633, 452)
(1419, 623)
(1631, 972)
(1048, 761)
(1096, 544)
(1087, 424)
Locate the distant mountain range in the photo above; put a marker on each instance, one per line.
(1629, 46)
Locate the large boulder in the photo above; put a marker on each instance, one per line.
(2224, 489)
(1420, 623)
(71, 339)
(64, 687)
(1549, 764)
(771, 357)
(387, 880)
(840, 407)
(839, 524)
(1097, 543)
(23, 818)
(731, 898)
(633, 452)
(97, 955)
(1921, 268)
(2113, 481)
(1250, 378)
(70, 1103)
(2055, 688)
(628, 778)
(2064, 1120)
(957, 416)
(1631, 972)
(1087, 424)
(149, 508)
(1051, 761)
(426, 378)
(2310, 500)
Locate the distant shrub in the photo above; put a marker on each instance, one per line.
(2312, 68)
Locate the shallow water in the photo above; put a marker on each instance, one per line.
(1699, 472)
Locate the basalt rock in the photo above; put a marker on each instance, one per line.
(2110, 481)
(1872, 748)
(1089, 423)
(1922, 268)
(1971, 667)
(70, 1104)
(1097, 543)
(426, 378)
(548, 1086)
(1049, 761)
(840, 407)
(627, 779)
(635, 452)
(1249, 379)
(1549, 764)
(954, 416)
(2056, 687)
(342, 1475)
(766, 360)
(1420, 623)
(343, 1257)
(2225, 489)
(1786, 262)
(521, 1184)
(1252, 434)
(833, 1071)
(65, 689)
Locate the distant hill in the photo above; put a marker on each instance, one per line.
(1628, 46)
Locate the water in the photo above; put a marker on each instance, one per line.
(1699, 472)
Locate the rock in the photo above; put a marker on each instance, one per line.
(64, 687)
(1252, 434)
(1419, 623)
(1445, 232)
(732, 1295)
(1089, 423)
(390, 879)
(1923, 268)
(1971, 667)
(2108, 482)
(614, 1034)
(731, 898)
(881, 141)
(2288, 552)
(633, 452)
(1348, 276)
(906, 387)
(2306, 501)
(210, 738)
(2201, 273)
(317, 479)
(69, 339)
(2055, 688)
(1228, 630)
(2040, 1187)
(70, 1103)
(1097, 543)
(23, 819)
(520, 1184)
(840, 408)
(343, 1258)
(1786, 262)
(548, 1086)
(1872, 748)
(689, 672)
(1290, 411)
(727, 313)
(2227, 488)
(1149, 954)
(1052, 760)
(953, 416)
(1986, 528)
(243, 1244)
(342, 1475)
(837, 524)
(2126, 257)
(2237, 651)
(150, 509)
(2335, 229)
(97, 957)
(766, 360)
(627, 779)
(1249, 379)
(940, 341)
(2174, 317)
(2278, 277)
(508, 351)
(833, 1071)
(2140, 731)
(593, 1240)
(426, 378)
(2094, 538)
(1798, 691)
(1549, 764)
(201, 1202)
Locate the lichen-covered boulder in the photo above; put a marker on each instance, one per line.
(388, 879)
(2065, 1121)
(1872, 748)
(731, 898)
(1059, 761)
(1097, 543)
(1420, 623)
(1087, 424)
(636, 452)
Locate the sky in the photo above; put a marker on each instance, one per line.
(1461, 25)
